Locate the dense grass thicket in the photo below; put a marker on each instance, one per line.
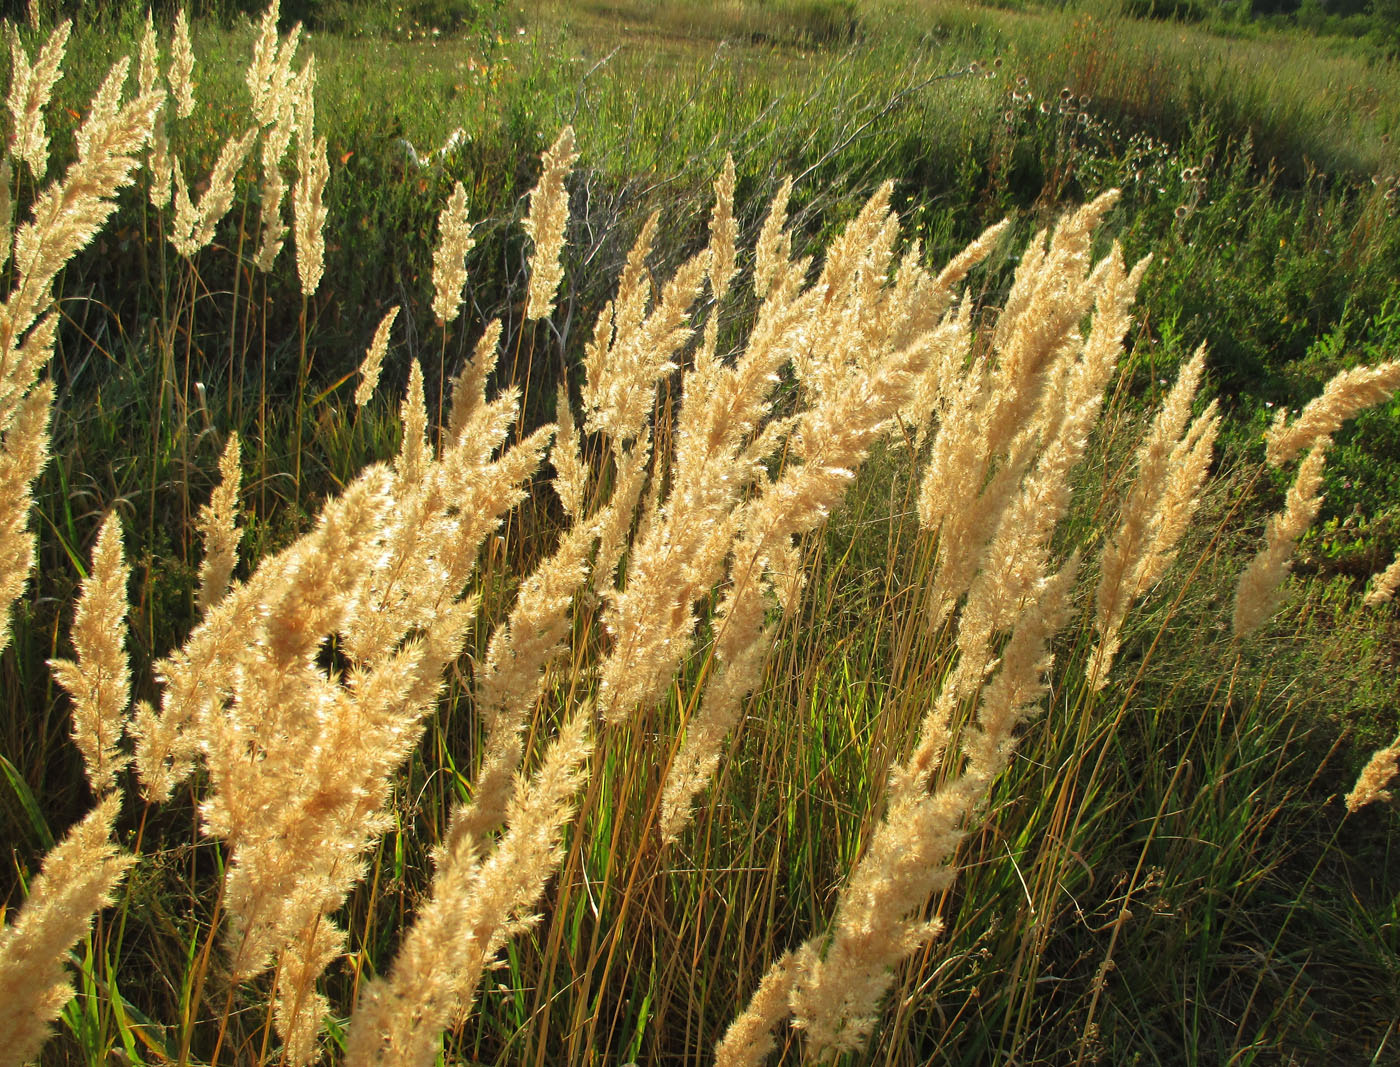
(790, 566)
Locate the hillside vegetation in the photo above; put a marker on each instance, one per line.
(672, 532)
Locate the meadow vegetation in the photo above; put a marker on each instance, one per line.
(670, 532)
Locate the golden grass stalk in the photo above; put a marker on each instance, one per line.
(839, 979)
(622, 375)
(749, 1037)
(65, 216)
(722, 232)
(1260, 586)
(1383, 765)
(193, 227)
(1347, 394)
(23, 452)
(773, 252)
(477, 903)
(570, 471)
(545, 223)
(1172, 463)
(78, 878)
(313, 170)
(269, 73)
(182, 67)
(273, 187)
(1384, 584)
(99, 681)
(995, 411)
(374, 358)
(469, 385)
(7, 210)
(218, 526)
(148, 66)
(449, 257)
(31, 85)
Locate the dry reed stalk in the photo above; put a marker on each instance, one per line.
(78, 879)
(30, 89)
(545, 223)
(217, 523)
(64, 217)
(1172, 463)
(1346, 395)
(99, 681)
(993, 417)
(7, 210)
(1383, 765)
(449, 257)
(269, 74)
(275, 109)
(1384, 584)
(374, 358)
(313, 170)
(1259, 588)
(478, 901)
(838, 979)
(469, 385)
(193, 227)
(722, 232)
(182, 67)
(570, 470)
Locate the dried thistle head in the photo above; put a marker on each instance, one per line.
(548, 215)
(449, 257)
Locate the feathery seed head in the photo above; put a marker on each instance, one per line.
(30, 89)
(181, 74)
(449, 257)
(545, 223)
(99, 682)
(374, 358)
(722, 232)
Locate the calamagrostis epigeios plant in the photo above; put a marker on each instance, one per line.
(30, 88)
(374, 358)
(1259, 589)
(1172, 464)
(384, 573)
(545, 222)
(194, 224)
(77, 880)
(449, 257)
(1346, 395)
(1383, 765)
(1384, 584)
(99, 681)
(1007, 439)
(65, 216)
(1000, 406)
(218, 525)
(182, 67)
(479, 900)
(308, 194)
(80, 873)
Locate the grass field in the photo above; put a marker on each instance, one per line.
(821, 657)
